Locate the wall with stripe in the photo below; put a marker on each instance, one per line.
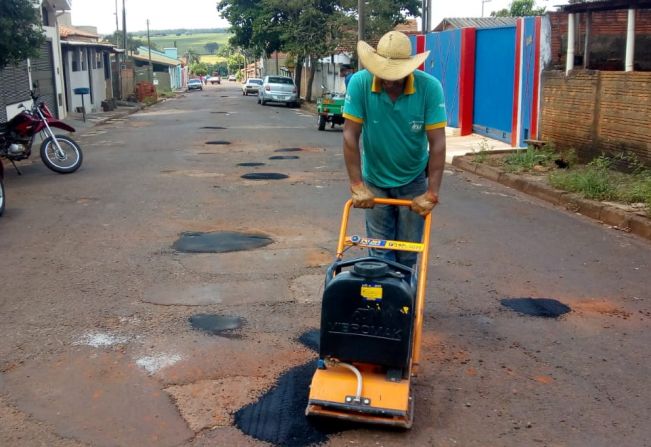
(490, 77)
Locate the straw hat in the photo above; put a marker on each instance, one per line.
(393, 59)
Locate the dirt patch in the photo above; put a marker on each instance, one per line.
(212, 403)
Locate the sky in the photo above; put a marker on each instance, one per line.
(171, 14)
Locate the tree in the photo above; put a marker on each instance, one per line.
(519, 8)
(199, 69)
(383, 15)
(21, 32)
(211, 47)
(133, 43)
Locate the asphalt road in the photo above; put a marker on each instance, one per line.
(96, 345)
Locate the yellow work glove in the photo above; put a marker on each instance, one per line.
(361, 195)
(424, 203)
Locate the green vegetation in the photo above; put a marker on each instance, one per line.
(599, 181)
(622, 178)
(526, 160)
(519, 8)
(21, 33)
(189, 41)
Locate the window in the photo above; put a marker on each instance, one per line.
(98, 59)
(83, 59)
(75, 59)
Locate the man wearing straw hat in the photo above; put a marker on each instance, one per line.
(400, 114)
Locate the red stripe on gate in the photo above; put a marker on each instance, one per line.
(467, 80)
(420, 48)
(516, 84)
(536, 81)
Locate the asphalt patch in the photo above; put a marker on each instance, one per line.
(536, 307)
(289, 149)
(218, 112)
(311, 339)
(218, 142)
(284, 157)
(251, 163)
(221, 325)
(219, 242)
(278, 417)
(264, 176)
(213, 127)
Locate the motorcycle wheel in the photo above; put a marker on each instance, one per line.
(68, 162)
(322, 122)
(2, 197)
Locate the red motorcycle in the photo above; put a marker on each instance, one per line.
(59, 152)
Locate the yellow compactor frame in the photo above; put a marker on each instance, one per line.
(384, 400)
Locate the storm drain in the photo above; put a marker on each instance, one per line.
(536, 307)
(284, 157)
(218, 142)
(221, 325)
(213, 127)
(219, 242)
(251, 163)
(264, 176)
(289, 149)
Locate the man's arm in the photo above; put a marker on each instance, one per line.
(424, 203)
(361, 195)
(436, 164)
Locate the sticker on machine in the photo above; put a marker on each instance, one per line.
(371, 292)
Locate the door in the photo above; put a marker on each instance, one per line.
(43, 77)
(494, 83)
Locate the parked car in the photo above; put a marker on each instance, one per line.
(278, 89)
(231, 78)
(252, 85)
(215, 79)
(195, 84)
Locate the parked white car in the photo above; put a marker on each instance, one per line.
(252, 85)
(278, 89)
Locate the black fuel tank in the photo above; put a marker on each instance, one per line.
(367, 315)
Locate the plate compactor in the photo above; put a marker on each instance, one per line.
(371, 320)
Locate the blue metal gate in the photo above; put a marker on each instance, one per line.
(494, 82)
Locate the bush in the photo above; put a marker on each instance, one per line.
(525, 160)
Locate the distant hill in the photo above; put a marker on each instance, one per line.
(184, 39)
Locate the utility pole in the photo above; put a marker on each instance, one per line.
(425, 19)
(360, 26)
(124, 29)
(482, 6)
(118, 63)
(151, 67)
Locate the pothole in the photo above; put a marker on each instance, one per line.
(264, 176)
(251, 164)
(289, 149)
(218, 142)
(219, 242)
(284, 157)
(536, 307)
(221, 325)
(213, 127)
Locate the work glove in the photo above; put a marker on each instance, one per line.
(424, 203)
(361, 195)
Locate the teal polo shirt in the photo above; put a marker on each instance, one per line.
(394, 138)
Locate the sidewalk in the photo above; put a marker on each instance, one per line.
(93, 119)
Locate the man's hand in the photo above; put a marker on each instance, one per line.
(424, 203)
(361, 195)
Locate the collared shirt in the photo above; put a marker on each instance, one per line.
(394, 137)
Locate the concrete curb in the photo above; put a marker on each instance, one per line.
(603, 212)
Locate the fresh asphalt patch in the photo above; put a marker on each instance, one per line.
(213, 127)
(221, 325)
(278, 417)
(219, 242)
(289, 149)
(284, 157)
(251, 164)
(264, 176)
(536, 307)
(218, 142)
